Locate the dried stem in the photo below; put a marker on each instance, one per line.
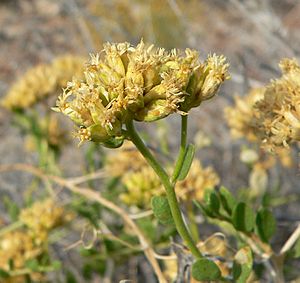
(291, 241)
(94, 196)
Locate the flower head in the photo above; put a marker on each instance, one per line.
(141, 186)
(42, 217)
(279, 109)
(270, 115)
(141, 83)
(19, 247)
(119, 162)
(241, 116)
(41, 81)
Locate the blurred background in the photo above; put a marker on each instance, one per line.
(254, 35)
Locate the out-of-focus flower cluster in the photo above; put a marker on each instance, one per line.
(270, 115)
(42, 217)
(279, 110)
(18, 247)
(43, 80)
(141, 183)
(141, 186)
(126, 160)
(30, 241)
(141, 83)
(241, 117)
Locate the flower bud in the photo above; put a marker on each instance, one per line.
(156, 109)
(206, 80)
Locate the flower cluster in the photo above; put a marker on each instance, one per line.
(270, 115)
(30, 242)
(279, 110)
(119, 162)
(241, 116)
(18, 247)
(42, 217)
(42, 81)
(141, 183)
(141, 83)
(141, 186)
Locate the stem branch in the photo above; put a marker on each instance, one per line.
(180, 158)
(169, 187)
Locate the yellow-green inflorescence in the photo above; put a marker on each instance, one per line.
(270, 114)
(279, 110)
(141, 83)
(42, 81)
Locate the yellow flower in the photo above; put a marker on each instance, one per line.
(119, 162)
(240, 117)
(249, 119)
(206, 80)
(41, 81)
(279, 110)
(141, 83)
(142, 183)
(18, 246)
(141, 186)
(270, 114)
(42, 217)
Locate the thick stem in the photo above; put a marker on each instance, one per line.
(180, 158)
(162, 174)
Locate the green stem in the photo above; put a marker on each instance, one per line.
(169, 187)
(193, 223)
(181, 154)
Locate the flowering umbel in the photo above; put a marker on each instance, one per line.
(141, 183)
(19, 247)
(241, 116)
(42, 217)
(270, 114)
(141, 83)
(42, 81)
(279, 110)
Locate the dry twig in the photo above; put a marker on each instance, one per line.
(94, 196)
(291, 241)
